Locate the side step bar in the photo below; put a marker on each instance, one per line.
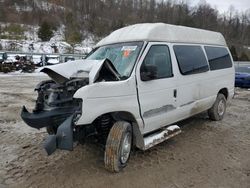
(161, 136)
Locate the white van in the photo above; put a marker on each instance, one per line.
(133, 88)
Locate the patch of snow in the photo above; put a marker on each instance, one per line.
(58, 34)
(32, 43)
(47, 6)
(36, 59)
(53, 59)
(31, 33)
(155, 137)
(19, 73)
(173, 127)
(23, 8)
(11, 58)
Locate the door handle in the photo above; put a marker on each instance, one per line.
(175, 93)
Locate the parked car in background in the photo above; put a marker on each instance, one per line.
(69, 58)
(52, 59)
(242, 76)
(37, 60)
(10, 63)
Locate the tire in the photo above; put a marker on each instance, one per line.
(218, 110)
(118, 146)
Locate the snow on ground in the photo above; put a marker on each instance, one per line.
(19, 73)
(42, 5)
(31, 39)
(23, 8)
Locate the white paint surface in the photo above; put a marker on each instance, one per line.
(195, 93)
(163, 32)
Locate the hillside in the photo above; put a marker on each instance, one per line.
(94, 19)
(24, 38)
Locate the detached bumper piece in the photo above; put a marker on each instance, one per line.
(63, 139)
(61, 118)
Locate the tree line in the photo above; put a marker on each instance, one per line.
(100, 17)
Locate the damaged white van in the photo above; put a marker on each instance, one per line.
(132, 88)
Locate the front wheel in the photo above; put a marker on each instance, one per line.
(217, 111)
(118, 146)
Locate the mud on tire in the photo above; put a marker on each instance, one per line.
(217, 111)
(118, 146)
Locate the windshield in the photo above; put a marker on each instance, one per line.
(122, 55)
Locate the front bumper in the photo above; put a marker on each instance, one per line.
(61, 118)
(46, 118)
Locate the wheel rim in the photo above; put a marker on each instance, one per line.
(221, 108)
(126, 147)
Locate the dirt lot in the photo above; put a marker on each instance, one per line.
(206, 154)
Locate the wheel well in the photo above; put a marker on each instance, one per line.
(123, 116)
(120, 116)
(224, 91)
(104, 122)
(111, 117)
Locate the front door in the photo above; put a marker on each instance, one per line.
(156, 86)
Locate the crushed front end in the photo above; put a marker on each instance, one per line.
(56, 110)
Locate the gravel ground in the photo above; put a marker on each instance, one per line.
(206, 154)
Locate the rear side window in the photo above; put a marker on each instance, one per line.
(191, 59)
(218, 58)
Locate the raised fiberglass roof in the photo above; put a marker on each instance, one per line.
(163, 32)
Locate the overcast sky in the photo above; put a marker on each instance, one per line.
(223, 5)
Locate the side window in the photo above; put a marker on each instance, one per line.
(191, 59)
(218, 58)
(157, 63)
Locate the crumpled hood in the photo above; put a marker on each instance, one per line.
(79, 68)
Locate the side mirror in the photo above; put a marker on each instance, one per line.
(148, 72)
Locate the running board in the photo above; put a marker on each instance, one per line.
(161, 136)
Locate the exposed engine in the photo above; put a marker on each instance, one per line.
(54, 104)
(52, 95)
(57, 110)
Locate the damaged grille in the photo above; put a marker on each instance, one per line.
(54, 104)
(52, 95)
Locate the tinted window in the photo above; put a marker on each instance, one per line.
(218, 58)
(159, 57)
(191, 59)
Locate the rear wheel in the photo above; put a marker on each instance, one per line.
(217, 111)
(118, 146)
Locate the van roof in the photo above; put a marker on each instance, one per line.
(164, 33)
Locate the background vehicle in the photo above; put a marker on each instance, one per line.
(69, 58)
(242, 76)
(132, 88)
(37, 60)
(52, 59)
